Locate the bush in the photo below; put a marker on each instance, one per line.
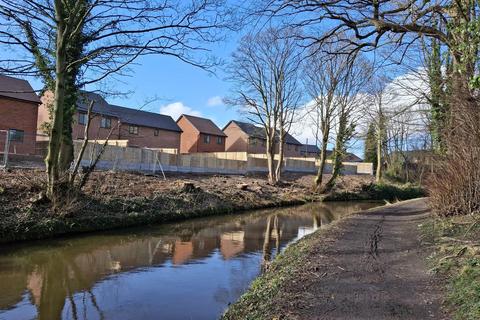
(454, 186)
(381, 191)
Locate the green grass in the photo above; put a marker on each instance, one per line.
(457, 259)
(380, 191)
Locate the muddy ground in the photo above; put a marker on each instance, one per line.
(112, 200)
(369, 266)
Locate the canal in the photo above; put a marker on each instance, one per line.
(188, 270)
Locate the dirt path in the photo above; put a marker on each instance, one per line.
(370, 266)
(376, 269)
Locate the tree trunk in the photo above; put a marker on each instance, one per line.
(271, 159)
(323, 159)
(338, 153)
(379, 173)
(52, 160)
(281, 145)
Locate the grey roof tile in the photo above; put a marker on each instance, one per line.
(257, 132)
(17, 89)
(127, 115)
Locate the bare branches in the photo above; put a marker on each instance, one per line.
(266, 86)
(368, 25)
(112, 34)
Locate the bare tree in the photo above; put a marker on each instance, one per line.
(322, 76)
(377, 113)
(334, 83)
(351, 99)
(398, 25)
(74, 43)
(264, 71)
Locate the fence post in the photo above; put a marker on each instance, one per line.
(7, 149)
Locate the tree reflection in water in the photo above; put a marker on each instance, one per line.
(69, 278)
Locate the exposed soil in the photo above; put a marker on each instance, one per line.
(112, 200)
(369, 266)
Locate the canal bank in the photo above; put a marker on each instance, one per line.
(119, 200)
(185, 270)
(369, 266)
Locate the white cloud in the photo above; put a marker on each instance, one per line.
(405, 92)
(176, 109)
(215, 101)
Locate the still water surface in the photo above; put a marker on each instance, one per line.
(187, 270)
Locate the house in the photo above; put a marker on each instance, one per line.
(139, 128)
(351, 157)
(18, 115)
(311, 150)
(246, 137)
(200, 135)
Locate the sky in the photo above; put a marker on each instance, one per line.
(174, 87)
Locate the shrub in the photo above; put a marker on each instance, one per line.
(454, 186)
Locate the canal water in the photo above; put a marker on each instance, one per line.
(188, 270)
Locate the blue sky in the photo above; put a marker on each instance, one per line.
(174, 86)
(177, 87)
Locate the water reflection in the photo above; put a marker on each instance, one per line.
(185, 270)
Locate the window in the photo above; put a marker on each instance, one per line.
(16, 135)
(264, 143)
(106, 123)
(132, 129)
(156, 132)
(253, 141)
(206, 139)
(296, 148)
(82, 118)
(219, 140)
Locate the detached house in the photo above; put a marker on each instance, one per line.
(200, 135)
(246, 137)
(18, 115)
(139, 128)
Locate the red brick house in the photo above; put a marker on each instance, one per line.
(18, 115)
(141, 128)
(246, 137)
(200, 135)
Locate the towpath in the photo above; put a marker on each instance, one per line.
(369, 266)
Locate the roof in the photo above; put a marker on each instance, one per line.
(257, 132)
(127, 115)
(203, 125)
(310, 148)
(350, 157)
(17, 89)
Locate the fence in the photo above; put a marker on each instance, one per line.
(30, 150)
(156, 160)
(19, 148)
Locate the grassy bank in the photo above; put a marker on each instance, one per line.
(380, 191)
(41, 227)
(118, 200)
(259, 301)
(457, 259)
